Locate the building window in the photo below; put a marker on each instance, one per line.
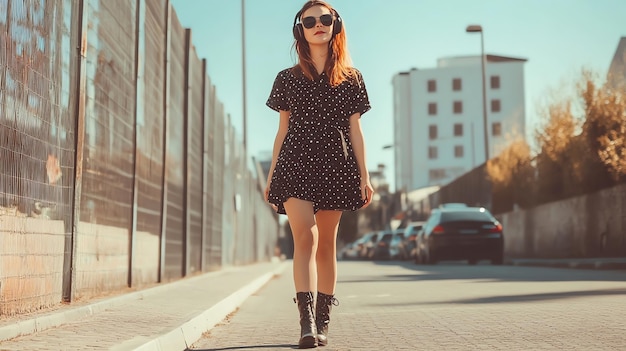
(432, 108)
(458, 151)
(456, 84)
(458, 107)
(432, 152)
(458, 129)
(436, 174)
(432, 132)
(495, 105)
(495, 82)
(496, 129)
(432, 85)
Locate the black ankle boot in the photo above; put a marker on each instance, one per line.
(308, 331)
(322, 316)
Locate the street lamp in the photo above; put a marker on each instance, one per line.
(243, 76)
(395, 163)
(478, 29)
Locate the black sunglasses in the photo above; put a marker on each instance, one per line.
(310, 21)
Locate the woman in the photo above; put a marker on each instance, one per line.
(318, 166)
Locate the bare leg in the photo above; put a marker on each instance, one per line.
(305, 236)
(326, 257)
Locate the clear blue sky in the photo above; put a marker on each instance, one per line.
(558, 37)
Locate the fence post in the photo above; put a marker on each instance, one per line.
(186, 153)
(139, 114)
(204, 167)
(166, 115)
(69, 263)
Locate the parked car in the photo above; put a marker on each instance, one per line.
(354, 249)
(397, 246)
(410, 242)
(453, 205)
(349, 251)
(470, 233)
(381, 246)
(366, 245)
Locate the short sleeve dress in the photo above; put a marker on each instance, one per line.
(316, 161)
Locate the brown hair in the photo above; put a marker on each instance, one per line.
(338, 66)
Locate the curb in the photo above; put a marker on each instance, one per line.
(600, 265)
(182, 337)
(55, 319)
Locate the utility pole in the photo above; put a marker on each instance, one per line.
(243, 70)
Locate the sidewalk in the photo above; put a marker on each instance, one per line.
(173, 316)
(167, 317)
(579, 263)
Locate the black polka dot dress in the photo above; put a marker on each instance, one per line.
(316, 162)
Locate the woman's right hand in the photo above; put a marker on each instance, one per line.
(267, 192)
(267, 195)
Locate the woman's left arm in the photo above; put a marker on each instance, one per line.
(358, 145)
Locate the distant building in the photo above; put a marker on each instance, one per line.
(263, 163)
(378, 178)
(438, 117)
(616, 77)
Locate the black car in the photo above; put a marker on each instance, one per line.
(470, 233)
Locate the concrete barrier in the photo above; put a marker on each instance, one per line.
(593, 225)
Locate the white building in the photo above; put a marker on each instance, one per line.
(438, 117)
(617, 71)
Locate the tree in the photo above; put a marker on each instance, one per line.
(512, 176)
(560, 164)
(581, 148)
(605, 124)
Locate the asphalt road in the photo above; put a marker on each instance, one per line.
(450, 306)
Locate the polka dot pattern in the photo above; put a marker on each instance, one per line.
(316, 162)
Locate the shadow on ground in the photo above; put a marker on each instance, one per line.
(524, 297)
(485, 273)
(451, 270)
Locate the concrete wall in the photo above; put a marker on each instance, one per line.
(593, 225)
(31, 263)
(102, 258)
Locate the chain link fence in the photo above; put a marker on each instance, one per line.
(118, 164)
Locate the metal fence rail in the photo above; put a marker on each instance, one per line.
(118, 164)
